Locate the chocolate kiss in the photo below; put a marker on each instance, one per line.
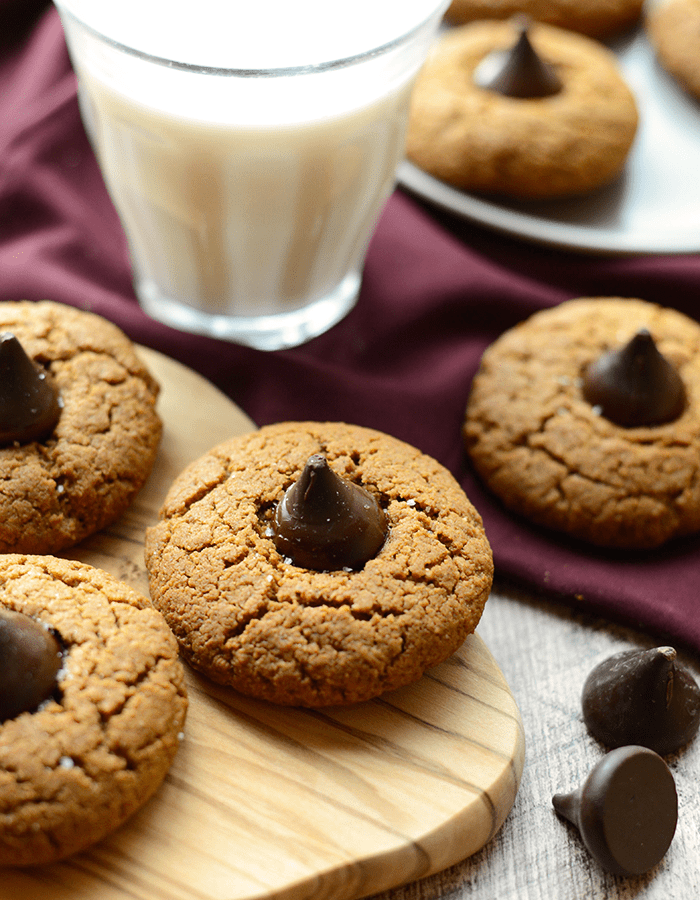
(30, 658)
(518, 72)
(325, 522)
(29, 404)
(635, 385)
(626, 811)
(642, 697)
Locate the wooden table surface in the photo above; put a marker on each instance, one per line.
(545, 651)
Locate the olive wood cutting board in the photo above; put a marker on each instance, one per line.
(267, 802)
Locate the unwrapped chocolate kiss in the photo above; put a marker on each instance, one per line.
(626, 811)
(326, 522)
(518, 72)
(29, 401)
(642, 697)
(635, 385)
(30, 658)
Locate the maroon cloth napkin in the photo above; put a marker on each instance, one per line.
(436, 291)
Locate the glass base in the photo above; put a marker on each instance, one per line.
(270, 332)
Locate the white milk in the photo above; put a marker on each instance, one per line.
(244, 220)
(243, 196)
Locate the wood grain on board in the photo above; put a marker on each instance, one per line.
(267, 802)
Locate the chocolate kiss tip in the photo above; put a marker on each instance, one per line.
(567, 805)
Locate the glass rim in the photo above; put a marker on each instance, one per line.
(262, 72)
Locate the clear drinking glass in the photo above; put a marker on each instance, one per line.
(248, 149)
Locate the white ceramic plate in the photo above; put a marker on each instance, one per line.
(654, 207)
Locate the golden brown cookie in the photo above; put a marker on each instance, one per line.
(550, 455)
(85, 473)
(477, 139)
(246, 616)
(595, 18)
(673, 27)
(74, 769)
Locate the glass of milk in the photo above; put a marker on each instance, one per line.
(248, 148)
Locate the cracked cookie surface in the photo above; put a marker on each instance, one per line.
(247, 617)
(85, 474)
(76, 768)
(548, 454)
(479, 140)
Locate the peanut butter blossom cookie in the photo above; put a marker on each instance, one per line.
(318, 563)
(596, 18)
(79, 430)
(673, 27)
(92, 704)
(586, 418)
(520, 110)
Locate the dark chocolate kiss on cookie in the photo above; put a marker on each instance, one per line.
(29, 401)
(635, 385)
(626, 811)
(642, 697)
(325, 522)
(30, 658)
(518, 72)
